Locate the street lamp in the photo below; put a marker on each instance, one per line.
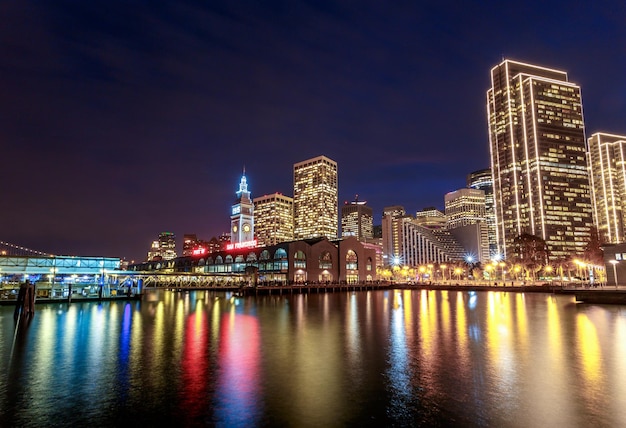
(488, 270)
(458, 271)
(614, 263)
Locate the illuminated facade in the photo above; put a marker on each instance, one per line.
(432, 218)
(465, 211)
(317, 260)
(392, 233)
(482, 180)
(357, 219)
(273, 219)
(192, 245)
(163, 248)
(464, 206)
(422, 245)
(315, 198)
(607, 170)
(537, 146)
(242, 215)
(59, 278)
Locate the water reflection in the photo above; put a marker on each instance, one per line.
(398, 375)
(239, 361)
(393, 358)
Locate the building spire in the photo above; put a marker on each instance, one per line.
(243, 186)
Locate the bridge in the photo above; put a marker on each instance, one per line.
(8, 249)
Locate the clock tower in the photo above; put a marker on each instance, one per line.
(242, 215)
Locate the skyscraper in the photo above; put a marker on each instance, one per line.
(482, 180)
(164, 248)
(392, 233)
(537, 146)
(315, 198)
(273, 215)
(465, 211)
(607, 170)
(357, 219)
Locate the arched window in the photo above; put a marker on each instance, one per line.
(299, 261)
(209, 260)
(280, 260)
(265, 255)
(201, 262)
(326, 260)
(368, 266)
(229, 259)
(251, 257)
(219, 260)
(239, 265)
(351, 260)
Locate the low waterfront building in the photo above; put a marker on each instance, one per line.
(315, 260)
(61, 277)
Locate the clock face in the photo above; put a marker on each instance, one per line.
(246, 227)
(235, 229)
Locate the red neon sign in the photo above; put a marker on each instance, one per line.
(244, 244)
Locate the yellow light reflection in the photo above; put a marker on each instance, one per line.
(408, 312)
(590, 355)
(445, 315)
(179, 329)
(462, 332)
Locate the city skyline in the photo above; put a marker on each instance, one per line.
(120, 122)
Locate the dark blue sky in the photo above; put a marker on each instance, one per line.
(119, 120)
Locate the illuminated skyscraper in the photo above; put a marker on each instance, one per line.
(607, 170)
(392, 233)
(482, 180)
(465, 211)
(357, 219)
(273, 215)
(163, 248)
(464, 206)
(315, 198)
(242, 215)
(537, 146)
(431, 218)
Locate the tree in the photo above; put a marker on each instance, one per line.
(593, 251)
(531, 252)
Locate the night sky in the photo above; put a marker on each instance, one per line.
(120, 120)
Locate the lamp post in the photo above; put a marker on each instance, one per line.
(614, 263)
(488, 270)
(458, 271)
